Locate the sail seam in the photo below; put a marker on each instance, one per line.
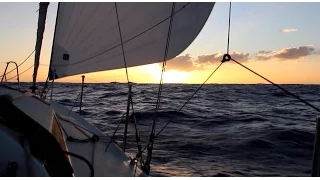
(61, 65)
(84, 25)
(66, 41)
(88, 35)
(62, 37)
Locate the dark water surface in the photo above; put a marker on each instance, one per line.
(225, 130)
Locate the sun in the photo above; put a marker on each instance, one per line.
(170, 76)
(174, 76)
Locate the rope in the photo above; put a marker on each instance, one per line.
(94, 80)
(189, 99)
(170, 120)
(125, 64)
(197, 171)
(75, 101)
(76, 125)
(229, 29)
(114, 133)
(278, 86)
(127, 75)
(20, 73)
(83, 159)
(123, 54)
(151, 138)
(138, 140)
(20, 63)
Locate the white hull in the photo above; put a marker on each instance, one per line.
(113, 162)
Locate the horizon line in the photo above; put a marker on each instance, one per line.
(175, 83)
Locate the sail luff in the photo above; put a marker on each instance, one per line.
(43, 7)
(54, 35)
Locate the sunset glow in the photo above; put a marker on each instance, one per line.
(275, 39)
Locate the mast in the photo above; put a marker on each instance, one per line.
(43, 7)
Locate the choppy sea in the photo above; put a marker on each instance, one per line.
(225, 130)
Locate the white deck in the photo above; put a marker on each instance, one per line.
(113, 162)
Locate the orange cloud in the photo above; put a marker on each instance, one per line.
(286, 53)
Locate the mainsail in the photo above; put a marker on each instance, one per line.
(87, 37)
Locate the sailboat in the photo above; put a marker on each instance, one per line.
(41, 137)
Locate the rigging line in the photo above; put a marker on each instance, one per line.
(151, 137)
(125, 41)
(61, 127)
(84, 25)
(74, 104)
(197, 171)
(189, 99)
(44, 92)
(20, 73)
(125, 64)
(138, 140)
(229, 29)
(124, 57)
(114, 133)
(278, 86)
(77, 126)
(164, 61)
(94, 80)
(20, 63)
(66, 41)
(186, 102)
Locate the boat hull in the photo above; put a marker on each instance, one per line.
(75, 135)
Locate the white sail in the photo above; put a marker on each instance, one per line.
(87, 37)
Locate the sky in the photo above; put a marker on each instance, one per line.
(278, 40)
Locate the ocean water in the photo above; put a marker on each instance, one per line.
(225, 130)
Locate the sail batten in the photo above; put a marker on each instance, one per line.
(87, 35)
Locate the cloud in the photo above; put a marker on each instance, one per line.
(286, 53)
(187, 63)
(289, 30)
(264, 55)
(184, 63)
(217, 57)
(295, 52)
